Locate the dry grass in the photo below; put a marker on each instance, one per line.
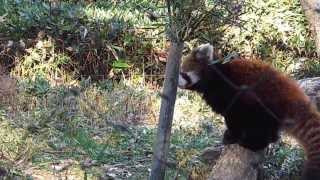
(8, 88)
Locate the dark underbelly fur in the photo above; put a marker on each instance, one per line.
(248, 125)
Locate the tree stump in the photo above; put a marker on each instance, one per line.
(238, 163)
(311, 87)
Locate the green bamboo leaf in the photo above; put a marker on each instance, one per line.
(120, 64)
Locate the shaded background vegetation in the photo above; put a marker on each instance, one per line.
(80, 82)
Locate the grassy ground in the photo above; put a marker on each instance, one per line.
(106, 130)
(95, 131)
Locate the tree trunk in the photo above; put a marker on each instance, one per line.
(236, 162)
(312, 11)
(311, 87)
(162, 142)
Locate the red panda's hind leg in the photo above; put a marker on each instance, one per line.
(249, 139)
(254, 131)
(256, 140)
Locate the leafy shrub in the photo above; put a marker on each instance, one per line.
(283, 161)
(44, 61)
(307, 68)
(277, 31)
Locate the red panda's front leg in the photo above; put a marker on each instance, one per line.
(233, 134)
(230, 138)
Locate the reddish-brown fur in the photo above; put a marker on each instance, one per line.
(263, 102)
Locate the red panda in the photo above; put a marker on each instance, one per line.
(256, 101)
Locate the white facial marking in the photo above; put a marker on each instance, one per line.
(193, 77)
(183, 83)
(206, 49)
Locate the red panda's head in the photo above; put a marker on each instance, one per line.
(193, 65)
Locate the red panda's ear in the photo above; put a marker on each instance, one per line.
(204, 52)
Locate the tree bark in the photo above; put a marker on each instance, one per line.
(236, 162)
(162, 142)
(312, 12)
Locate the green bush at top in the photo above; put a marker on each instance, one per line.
(275, 30)
(99, 36)
(92, 38)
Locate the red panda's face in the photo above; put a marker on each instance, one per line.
(193, 64)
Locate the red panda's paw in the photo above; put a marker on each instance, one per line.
(229, 138)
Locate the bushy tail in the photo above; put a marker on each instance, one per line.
(307, 132)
